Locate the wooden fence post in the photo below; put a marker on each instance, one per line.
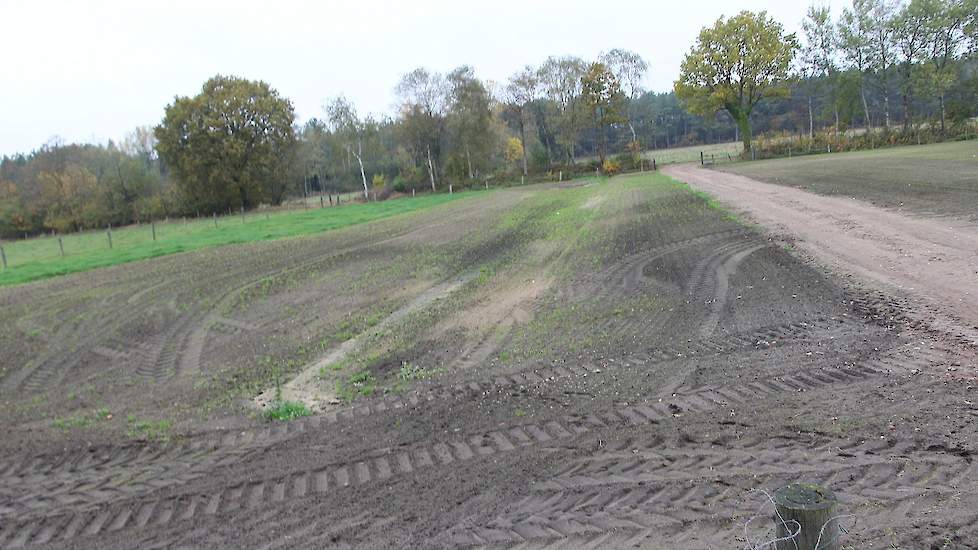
(322, 202)
(61, 246)
(3, 256)
(560, 175)
(654, 168)
(152, 225)
(702, 162)
(242, 211)
(109, 234)
(813, 508)
(412, 192)
(449, 189)
(215, 220)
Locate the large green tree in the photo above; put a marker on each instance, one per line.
(736, 64)
(231, 145)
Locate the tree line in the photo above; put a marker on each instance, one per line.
(879, 66)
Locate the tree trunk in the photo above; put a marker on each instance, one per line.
(431, 170)
(943, 113)
(523, 140)
(743, 121)
(363, 175)
(468, 158)
(869, 122)
(886, 108)
(811, 119)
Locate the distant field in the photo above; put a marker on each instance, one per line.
(40, 258)
(939, 179)
(688, 154)
(692, 153)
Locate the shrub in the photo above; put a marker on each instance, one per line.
(610, 167)
(399, 185)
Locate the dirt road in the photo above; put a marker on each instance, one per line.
(931, 260)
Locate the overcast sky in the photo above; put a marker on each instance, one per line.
(93, 70)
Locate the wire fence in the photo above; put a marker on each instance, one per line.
(783, 533)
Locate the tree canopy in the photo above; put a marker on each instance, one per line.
(736, 64)
(229, 146)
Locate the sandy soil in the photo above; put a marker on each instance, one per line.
(933, 259)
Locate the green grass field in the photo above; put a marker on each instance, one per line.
(719, 152)
(939, 179)
(40, 258)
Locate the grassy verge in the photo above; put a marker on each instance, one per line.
(40, 258)
(928, 179)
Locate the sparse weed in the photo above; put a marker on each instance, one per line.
(148, 430)
(287, 410)
(362, 383)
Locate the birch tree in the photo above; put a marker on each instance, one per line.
(424, 100)
(629, 69)
(522, 89)
(883, 48)
(559, 79)
(910, 26)
(347, 126)
(817, 55)
(855, 29)
(947, 34)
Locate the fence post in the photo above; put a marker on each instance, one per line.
(242, 211)
(449, 189)
(702, 162)
(560, 175)
(654, 168)
(487, 184)
(152, 225)
(322, 202)
(215, 220)
(61, 246)
(3, 256)
(109, 234)
(522, 180)
(810, 510)
(412, 192)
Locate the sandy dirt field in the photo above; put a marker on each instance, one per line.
(611, 363)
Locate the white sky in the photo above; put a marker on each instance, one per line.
(93, 70)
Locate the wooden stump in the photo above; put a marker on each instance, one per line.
(813, 507)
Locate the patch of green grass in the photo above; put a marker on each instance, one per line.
(287, 410)
(927, 179)
(362, 383)
(148, 430)
(82, 421)
(39, 258)
(409, 372)
(519, 413)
